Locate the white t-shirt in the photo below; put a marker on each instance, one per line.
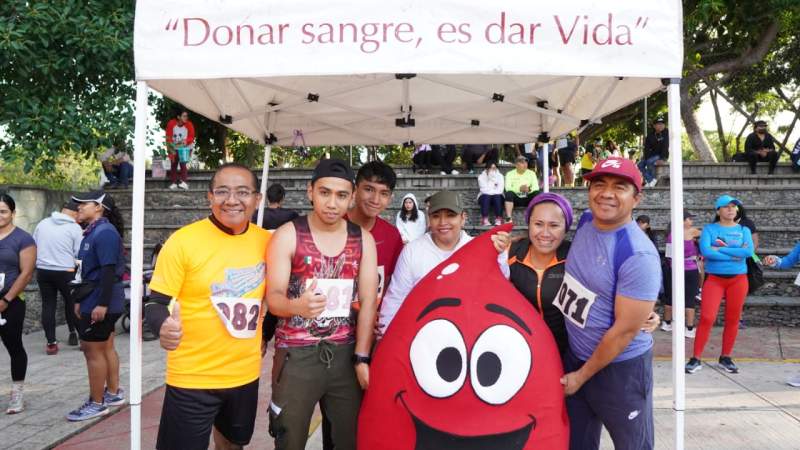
(417, 259)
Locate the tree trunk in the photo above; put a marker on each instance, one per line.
(696, 136)
(222, 143)
(739, 136)
(723, 142)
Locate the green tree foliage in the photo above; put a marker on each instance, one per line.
(749, 44)
(65, 77)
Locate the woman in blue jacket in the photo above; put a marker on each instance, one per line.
(725, 245)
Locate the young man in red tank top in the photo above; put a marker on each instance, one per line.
(318, 265)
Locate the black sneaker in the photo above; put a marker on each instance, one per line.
(725, 362)
(73, 339)
(693, 365)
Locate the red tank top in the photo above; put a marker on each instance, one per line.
(308, 263)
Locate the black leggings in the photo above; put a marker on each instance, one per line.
(51, 282)
(11, 334)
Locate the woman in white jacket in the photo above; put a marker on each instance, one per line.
(410, 220)
(491, 185)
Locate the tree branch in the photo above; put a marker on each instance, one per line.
(786, 99)
(749, 57)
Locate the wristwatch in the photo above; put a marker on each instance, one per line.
(359, 359)
(5, 300)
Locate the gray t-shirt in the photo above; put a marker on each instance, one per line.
(10, 246)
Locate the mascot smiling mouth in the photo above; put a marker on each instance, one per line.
(429, 438)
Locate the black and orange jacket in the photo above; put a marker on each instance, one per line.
(541, 295)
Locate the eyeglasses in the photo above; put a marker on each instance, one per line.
(239, 194)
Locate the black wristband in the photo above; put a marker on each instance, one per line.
(359, 359)
(8, 302)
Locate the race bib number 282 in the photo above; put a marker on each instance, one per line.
(574, 300)
(239, 315)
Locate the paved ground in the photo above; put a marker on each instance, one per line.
(751, 410)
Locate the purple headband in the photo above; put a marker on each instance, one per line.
(559, 200)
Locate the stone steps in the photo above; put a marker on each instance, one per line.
(773, 237)
(738, 181)
(697, 197)
(717, 170)
(770, 200)
(784, 217)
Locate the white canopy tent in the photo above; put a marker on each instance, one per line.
(348, 72)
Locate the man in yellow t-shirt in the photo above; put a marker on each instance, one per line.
(521, 186)
(208, 290)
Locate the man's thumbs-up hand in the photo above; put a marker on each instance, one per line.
(172, 330)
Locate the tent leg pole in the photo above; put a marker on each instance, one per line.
(676, 216)
(546, 167)
(264, 175)
(137, 257)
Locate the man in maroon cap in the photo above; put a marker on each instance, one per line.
(611, 282)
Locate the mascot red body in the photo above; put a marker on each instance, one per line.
(467, 363)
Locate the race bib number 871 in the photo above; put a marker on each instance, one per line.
(239, 315)
(574, 300)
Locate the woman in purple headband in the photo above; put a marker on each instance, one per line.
(537, 261)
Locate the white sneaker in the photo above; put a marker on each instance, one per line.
(173, 186)
(454, 172)
(691, 333)
(183, 186)
(666, 326)
(16, 405)
(793, 381)
(443, 173)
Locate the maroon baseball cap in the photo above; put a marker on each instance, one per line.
(617, 167)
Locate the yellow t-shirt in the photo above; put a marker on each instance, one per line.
(219, 282)
(586, 161)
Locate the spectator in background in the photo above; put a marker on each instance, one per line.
(691, 275)
(587, 162)
(478, 154)
(275, 214)
(760, 147)
(745, 221)
(644, 224)
(490, 184)
(117, 167)
(180, 142)
(554, 163)
(17, 262)
(423, 159)
(410, 220)
(795, 157)
(58, 240)
(520, 187)
(443, 156)
(566, 156)
(613, 150)
(102, 265)
(656, 148)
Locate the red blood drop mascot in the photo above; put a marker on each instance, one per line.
(467, 363)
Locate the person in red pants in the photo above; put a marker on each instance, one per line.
(180, 141)
(726, 246)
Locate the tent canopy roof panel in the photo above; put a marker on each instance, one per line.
(357, 71)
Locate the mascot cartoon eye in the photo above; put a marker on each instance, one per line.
(500, 363)
(439, 358)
